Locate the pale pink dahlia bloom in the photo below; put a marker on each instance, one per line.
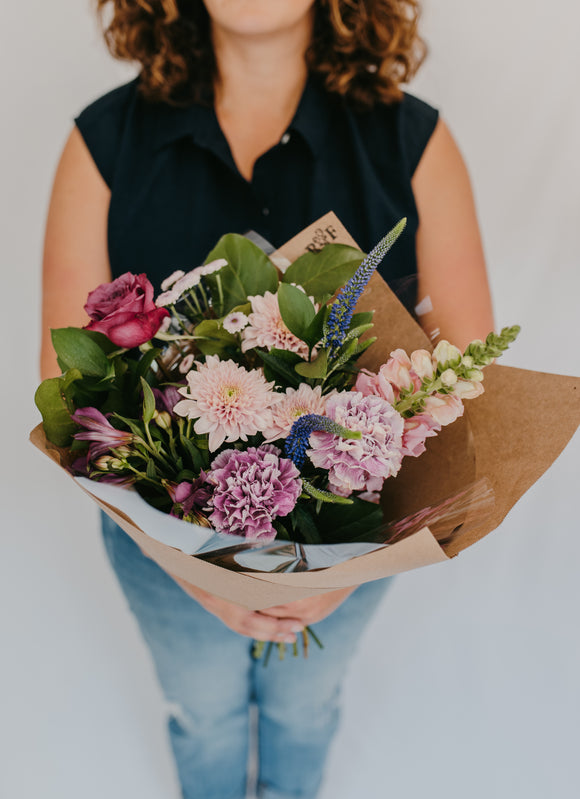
(359, 464)
(229, 402)
(291, 405)
(252, 488)
(267, 329)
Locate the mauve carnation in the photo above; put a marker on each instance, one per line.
(252, 488)
(359, 464)
(124, 310)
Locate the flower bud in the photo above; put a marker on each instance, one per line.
(447, 355)
(474, 374)
(422, 364)
(449, 378)
(468, 389)
(122, 452)
(162, 419)
(146, 346)
(467, 361)
(106, 463)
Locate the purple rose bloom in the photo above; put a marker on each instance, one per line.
(252, 488)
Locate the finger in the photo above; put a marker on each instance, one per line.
(266, 628)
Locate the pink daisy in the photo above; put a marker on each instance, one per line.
(267, 329)
(228, 402)
(293, 404)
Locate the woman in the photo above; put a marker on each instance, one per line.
(253, 114)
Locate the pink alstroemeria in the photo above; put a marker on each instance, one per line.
(98, 429)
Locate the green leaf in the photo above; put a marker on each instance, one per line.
(326, 271)
(249, 271)
(150, 470)
(362, 318)
(316, 368)
(322, 495)
(77, 350)
(305, 525)
(53, 399)
(214, 338)
(357, 331)
(144, 364)
(148, 401)
(296, 309)
(316, 327)
(281, 363)
(195, 454)
(362, 521)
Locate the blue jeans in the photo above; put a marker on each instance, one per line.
(210, 679)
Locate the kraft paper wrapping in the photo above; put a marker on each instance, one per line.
(509, 436)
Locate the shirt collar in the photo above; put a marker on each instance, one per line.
(171, 123)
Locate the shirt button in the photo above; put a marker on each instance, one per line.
(285, 138)
(265, 211)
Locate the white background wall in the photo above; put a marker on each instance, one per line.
(466, 684)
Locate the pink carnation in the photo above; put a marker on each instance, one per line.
(228, 402)
(359, 464)
(252, 488)
(267, 329)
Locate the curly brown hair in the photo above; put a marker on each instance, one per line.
(362, 49)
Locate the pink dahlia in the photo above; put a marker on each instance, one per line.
(291, 405)
(252, 488)
(229, 402)
(359, 464)
(267, 329)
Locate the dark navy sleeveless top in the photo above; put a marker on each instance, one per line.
(175, 188)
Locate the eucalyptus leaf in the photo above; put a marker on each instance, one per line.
(249, 271)
(326, 271)
(296, 309)
(316, 368)
(53, 399)
(213, 338)
(316, 327)
(77, 350)
(281, 363)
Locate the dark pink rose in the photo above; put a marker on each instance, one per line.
(124, 310)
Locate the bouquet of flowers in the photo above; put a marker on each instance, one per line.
(235, 402)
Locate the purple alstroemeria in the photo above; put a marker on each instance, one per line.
(189, 497)
(98, 429)
(166, 399)
(82, 467)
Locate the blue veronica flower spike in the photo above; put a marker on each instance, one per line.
(343, 307)
(298, 437)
